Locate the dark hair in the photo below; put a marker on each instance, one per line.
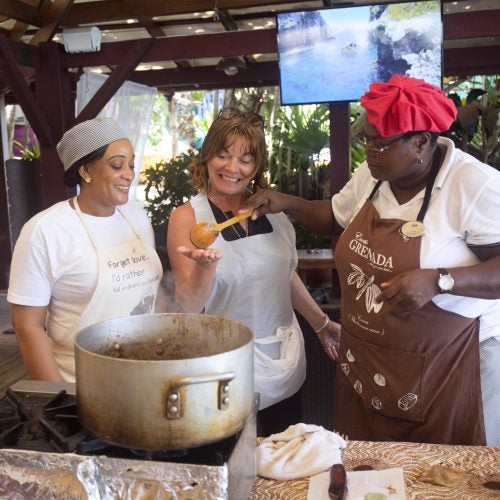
(72, 176)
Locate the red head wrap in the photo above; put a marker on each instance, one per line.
(405, 104)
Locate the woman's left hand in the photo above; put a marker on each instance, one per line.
(330, 339)
(205, 257)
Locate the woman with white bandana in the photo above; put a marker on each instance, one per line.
(418, 259)
(82, 260)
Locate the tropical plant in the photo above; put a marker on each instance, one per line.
(28, 151)
(299, 135)
(357, 119)
(167, 186)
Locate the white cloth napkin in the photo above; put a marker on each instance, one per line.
(302, 450)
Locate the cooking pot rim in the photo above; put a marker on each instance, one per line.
(82, 332)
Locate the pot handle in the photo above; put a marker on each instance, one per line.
(174, 403)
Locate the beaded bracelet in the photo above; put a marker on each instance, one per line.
(324, 325)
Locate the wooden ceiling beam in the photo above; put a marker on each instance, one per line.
(16, 80)
(225, 18)
(241, 43)
(183, 64)
(231, 43)
(24, 54)
(19, 29)
(457, 62)
(52, 18)
(477, 24)
(256, 74)
(116, 10)
(153, 28)
(121, 73)
(21, 11)
(469, 61)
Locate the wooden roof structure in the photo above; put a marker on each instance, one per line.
(176, 45)
(179, 44)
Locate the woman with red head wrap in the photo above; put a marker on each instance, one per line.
(418, 257)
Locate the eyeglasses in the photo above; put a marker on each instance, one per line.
(378, 150)
(251, 117)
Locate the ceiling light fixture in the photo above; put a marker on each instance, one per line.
(231, 65)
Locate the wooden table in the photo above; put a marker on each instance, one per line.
(481, 463)
(321, 258)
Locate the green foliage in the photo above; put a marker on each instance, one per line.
(308, 240)
(357, 119)
(305, 130)
(29, 151)
(167, 186)
(299, 135)
(404, 11)
(160, 121)
(358, 154)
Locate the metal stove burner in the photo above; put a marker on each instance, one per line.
(167, 456)
(39, 423)
(51, 424)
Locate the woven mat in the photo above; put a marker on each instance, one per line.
(482, 463)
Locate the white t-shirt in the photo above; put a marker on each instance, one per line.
(55, 264)
(464, 210)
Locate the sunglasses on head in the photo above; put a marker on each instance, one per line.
(251, 117)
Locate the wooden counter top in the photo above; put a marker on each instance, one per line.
(482, 463)
(321, 258)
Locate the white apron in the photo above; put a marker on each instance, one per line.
(127, 283)
(252, 285)
(280, 378)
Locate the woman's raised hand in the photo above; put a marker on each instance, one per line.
(203, 256)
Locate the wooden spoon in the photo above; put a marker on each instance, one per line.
(203, 234)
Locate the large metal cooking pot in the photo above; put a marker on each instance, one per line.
(164, 381)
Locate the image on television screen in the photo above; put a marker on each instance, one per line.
(333, 54)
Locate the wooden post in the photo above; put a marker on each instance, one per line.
(56, 101)
(5, 250)
(340, 163)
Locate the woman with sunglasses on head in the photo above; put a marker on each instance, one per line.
(82, 260)
(248, 274)
(418, 259)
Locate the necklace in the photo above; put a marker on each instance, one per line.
(242, 233)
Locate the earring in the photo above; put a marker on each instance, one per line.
(88, 179)
(420, 162)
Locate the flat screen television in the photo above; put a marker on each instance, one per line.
(333, 54)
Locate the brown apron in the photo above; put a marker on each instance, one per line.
(400, 377)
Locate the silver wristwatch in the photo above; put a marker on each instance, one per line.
(445, 281)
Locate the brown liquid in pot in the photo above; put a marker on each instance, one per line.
(157, 350)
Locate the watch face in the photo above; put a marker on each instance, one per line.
(445, 282)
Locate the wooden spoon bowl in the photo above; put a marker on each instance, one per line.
(203, 234)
